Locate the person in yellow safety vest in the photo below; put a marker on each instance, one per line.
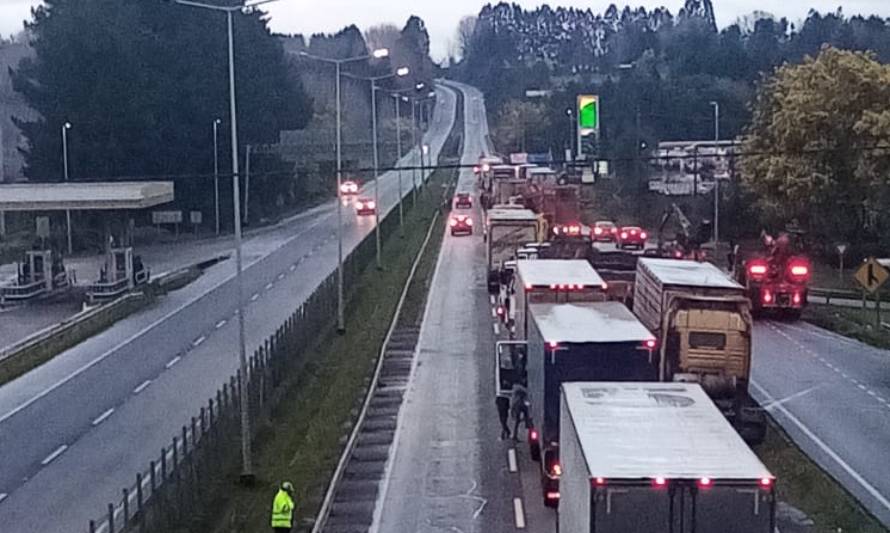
(283, 508)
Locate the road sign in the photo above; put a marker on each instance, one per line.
(196, 217)
(871, 275)
(166, 217)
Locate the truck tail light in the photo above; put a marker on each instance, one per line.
(598, 231)
(476, 169)
(371, 205)
(799, 270)
(556, 469)
(452, 222)
(643, 235)
(552, 495)
(796, 298)
(650, 344)
(705, 482)
(533, 434)
(605, 286)
(659, 482)
(599, 482)
(767, 297)
(623, 234)
(553, 345)
(469, 222)
(766, 482)
(757, 269)
(500, 310)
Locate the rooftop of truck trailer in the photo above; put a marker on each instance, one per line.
(510, 215)
(632, 431)
(588, 322)
(546, 273)
(688, 273)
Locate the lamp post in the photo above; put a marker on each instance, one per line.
(716, 106)
(376, 54)
(216, 124)
(398, 100)
(65, 127)
(400, 72)
(247, 475)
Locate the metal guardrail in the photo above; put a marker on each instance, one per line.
(836, 294)
(22, 292)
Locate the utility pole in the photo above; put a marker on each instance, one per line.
(247, 186)
(716, 106)
(65, 128)
(398, 100)
(216, 124)
(376, 172)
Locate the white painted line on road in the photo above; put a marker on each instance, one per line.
(3, 496)
(497, 330)
(52, 457)
(172, 362)
(199, 340)
(494, 313)
(103, 417)
(281, 276)
(268, 286)
(872, 393)
(518, 513)
(254, 297)
(142, 386)
(293, 267)
(844, 374)
(491, 297)
(828, 451)
(221, 323)
(511, 460)
(861, 386)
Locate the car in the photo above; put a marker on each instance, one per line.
(463, 200)
(604, 231)
(365, 206)
(348, 188)
(461, 225)
(631, 237)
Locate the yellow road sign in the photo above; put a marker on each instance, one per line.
(871, 275)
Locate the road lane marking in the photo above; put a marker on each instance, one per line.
(518, 513)
(103, 417)
(254, 297)
(268, 286)
(199, 340)
(497, 330)
(491, 298)
(494, 313)
(3, 496)
(221, 323)
(142, 386)
(172, 362)
(52, 457)
(827, 450)
(511, 460)
(791, 397)
(872, 393)
(861, 386)
(293, 267)
(281, 276)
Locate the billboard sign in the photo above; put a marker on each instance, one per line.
(588, 123)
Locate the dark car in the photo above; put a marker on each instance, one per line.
(463, 200)
(365, 206)
(461, 225)
(631, 237)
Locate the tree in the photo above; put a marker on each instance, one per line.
(521, 127)
(382, 36)
(465, 29)
(141, 81)
(812, 144)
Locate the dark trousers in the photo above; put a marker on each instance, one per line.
(520, 414)
(503, 405)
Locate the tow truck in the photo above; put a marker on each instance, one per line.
(776, 278)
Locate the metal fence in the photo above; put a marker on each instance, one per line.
(166, 495)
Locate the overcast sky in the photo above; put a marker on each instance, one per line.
(313, 16)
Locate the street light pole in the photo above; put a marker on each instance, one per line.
(716, 106)
(65, 128)
(216, 124)
(376, 171)
(398, 100)
(247, 475)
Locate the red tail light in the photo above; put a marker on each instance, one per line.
(476, 169)
(799, 270)
(533, 434)
(605, 286)
(500, 310)
(600, 481)
(796, 298)
(705, 482)
(452, 222)
(553, 286)
(643, 235)
(650, 344)
(623, 234)
(598, 231)
(659, 482)
(371, 205)
(614, 230)
(552, 495)
(766, 482)
(767, 297)
(757, 269)
(469, 222)
(553, 345)
(556, 469)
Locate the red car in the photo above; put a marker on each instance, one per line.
(461, 225)
(604, 231)
(365, 206)
(631, 237)
(348, 187)
(463, 200)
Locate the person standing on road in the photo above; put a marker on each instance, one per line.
(283, 509)
(503, 405)
(519, 408)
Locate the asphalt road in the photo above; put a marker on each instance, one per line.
(82, 425)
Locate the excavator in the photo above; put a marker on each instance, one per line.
(688, 240)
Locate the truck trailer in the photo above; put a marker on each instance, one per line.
(506, 231)
(703, 323)
(585, 341)
(656, 458)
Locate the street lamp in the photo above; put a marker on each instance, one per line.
(571, 143)
(398, 100)
(379, 53)
(243, 383)
(216, 124)
(716, 106)
(65, 127)
(400, 72)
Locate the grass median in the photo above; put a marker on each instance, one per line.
(303, 441)
(858, 323)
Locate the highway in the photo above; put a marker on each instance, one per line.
(82, 425)
(448, 470)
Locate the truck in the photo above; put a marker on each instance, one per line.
(506, 230)
(702, 320)
(551, 281)
(656, 458)
(579, 341)
(777, 276)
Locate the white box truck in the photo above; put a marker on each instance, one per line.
(582, 341)
(702, 319)
(506, 231)
(656, 458)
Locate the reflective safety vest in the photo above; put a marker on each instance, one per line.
(282, 510)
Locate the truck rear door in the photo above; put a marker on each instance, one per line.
(734, 509)
(637, 509)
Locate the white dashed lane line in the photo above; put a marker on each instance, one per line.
(142, 386)
(254, 297)
(497, 330)
(511, 460)
(53, 456)
(281, 276)
(269, 286)
(3, 496)
(220, 324)
(518, 513)
(199, 341)
(103, 417)
(172, 362)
